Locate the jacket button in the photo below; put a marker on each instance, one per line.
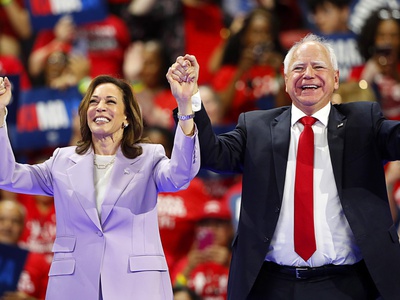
(99, 233)
(266, 239)
(277, 209)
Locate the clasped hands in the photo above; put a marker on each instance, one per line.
(182, 77)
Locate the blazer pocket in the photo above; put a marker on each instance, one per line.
(393, 234)
(143, 263)
(64, 244)
(62, 267)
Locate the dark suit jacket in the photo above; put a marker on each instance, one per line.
(360, 141)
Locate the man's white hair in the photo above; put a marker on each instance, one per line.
(310, 38)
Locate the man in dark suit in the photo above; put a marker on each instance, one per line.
(355, 251)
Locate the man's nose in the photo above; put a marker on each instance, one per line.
(309, 72)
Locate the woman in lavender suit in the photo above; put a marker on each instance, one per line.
(105, 191)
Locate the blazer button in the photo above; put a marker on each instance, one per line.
(266, 239)
(99, 233)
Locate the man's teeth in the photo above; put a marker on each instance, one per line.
(98, 120)
(309, 87)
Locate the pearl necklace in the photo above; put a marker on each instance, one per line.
(103, 166)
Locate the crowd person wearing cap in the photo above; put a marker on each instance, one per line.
(205, 268)
(340, 241)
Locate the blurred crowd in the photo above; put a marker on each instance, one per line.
(240, 46)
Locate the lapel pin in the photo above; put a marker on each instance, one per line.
(340, 125)
(126, 171)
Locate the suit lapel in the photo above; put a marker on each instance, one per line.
(280, 131)
(122, 174)
(81, 178)
(336, 130)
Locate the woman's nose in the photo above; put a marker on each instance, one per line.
(100, 106)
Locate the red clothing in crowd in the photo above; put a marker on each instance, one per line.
(40, 229)
(209, 280)
(11, 65)
(33, 279)
(260, 83)
(178, 213)
(203, 25)
(107, 41)
(208, 277)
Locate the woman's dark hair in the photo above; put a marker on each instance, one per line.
(132, 134)
(234, 46)
(366, 37)
(314, 4)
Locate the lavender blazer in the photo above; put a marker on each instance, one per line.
(121, 248)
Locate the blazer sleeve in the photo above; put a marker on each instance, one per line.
(22, 178)
(176, 173)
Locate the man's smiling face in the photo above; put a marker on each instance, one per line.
(311, 79)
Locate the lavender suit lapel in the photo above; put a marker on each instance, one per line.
(122, 174)
(81, 178)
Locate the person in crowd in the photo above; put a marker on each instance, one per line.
(145, 66)
(249, 76)
(331, 19)
(105, 193)
(362, 9)
(63, 70)
(379, 43)
(33, 279)
(310, 226)
(16, 29)
(212, 103)
(205, 268)
(10, 65)
(93, 41)
(181, 25)
(288, 11)
(40, 224)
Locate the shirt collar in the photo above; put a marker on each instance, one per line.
(321, 115)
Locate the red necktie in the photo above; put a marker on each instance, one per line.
(304, 237)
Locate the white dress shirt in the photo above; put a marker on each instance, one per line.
(334, 239)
